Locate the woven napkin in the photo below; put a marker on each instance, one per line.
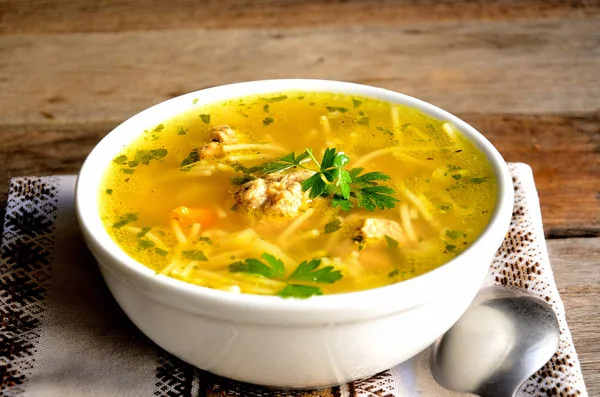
(62, 334)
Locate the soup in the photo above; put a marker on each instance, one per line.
(297, 194)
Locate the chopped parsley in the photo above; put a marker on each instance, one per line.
(205, 240)
(268, 120)
(450, 247)
(266, 108)
(205, 118)
(159, 128)
(333, 226)
(109, 191)
(299, 291)
(181, 131)
(145, 156)
(125, 219)
(192, 158)
(478, 180)
(275, 98)
(457, 176)
(122, 159)
(392, 243)
(454, 234)
(161, 252)
(363, 121)
(336, 109)
(127, 171)
(144, 244)
(195, 255)
(356, 103)
(144, 231)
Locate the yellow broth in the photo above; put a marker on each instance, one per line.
(445, 188)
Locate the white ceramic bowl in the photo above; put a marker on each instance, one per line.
(321, 341)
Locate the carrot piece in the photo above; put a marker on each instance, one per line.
(187, 216)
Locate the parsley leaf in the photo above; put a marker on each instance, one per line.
(376, 196)
(307, 271)
(356, 103)
(192, 158)
(122, 159)
(125, 219)
(268, 120)
(299, 291)
(333, 226)
(275, 98)
(143, 232)
(254, 266)
(336, 108)
(478, 180)
(454, 234)
(195, 255)
(161, 252)
(392, 243)
(205, 118)
(143, 244)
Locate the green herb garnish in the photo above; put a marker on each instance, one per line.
(299, 291)
(333, 226)
(457, 176)
(127, 171)
(307, 271)
(122, 159)
(275, 98)
(181, 131)
(363, 121)
(268, 120)
(205, 240)
(454, 234)
(144, 244)
(392, 243)
(205, 118)
(159, 128)
(336, 109)
(194, 255)
(356, 103)
(192, 158)
(109, 191)
(144, 231)
(125, 219)
(266, 108)
(161, 252)
(345, 187)
(273, 269)
(478, 180)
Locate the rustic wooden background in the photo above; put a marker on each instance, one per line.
(525, 73)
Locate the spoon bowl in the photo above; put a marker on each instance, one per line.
(503, 338)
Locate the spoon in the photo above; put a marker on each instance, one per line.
(502, 339)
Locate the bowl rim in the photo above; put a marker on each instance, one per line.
(421, 288)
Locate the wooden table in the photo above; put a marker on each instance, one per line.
(526, 74)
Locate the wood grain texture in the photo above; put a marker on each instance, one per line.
(63, 16)
(504, 67)
(576, 265)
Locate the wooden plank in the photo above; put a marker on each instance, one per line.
(562, 150)
(64, 16)
(500, 67)
(576, 265)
